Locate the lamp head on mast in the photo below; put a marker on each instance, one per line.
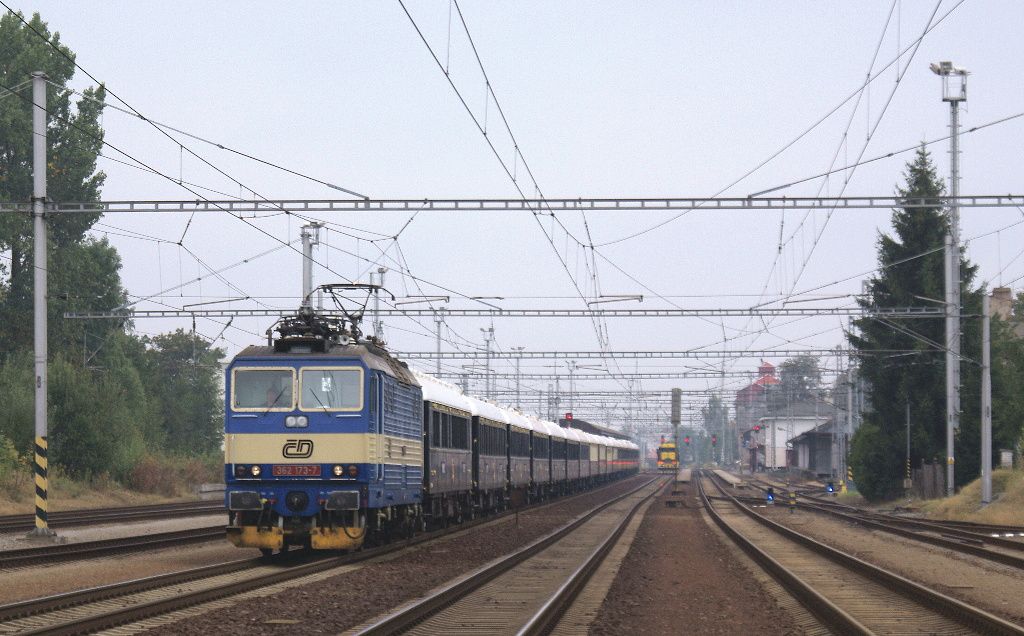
(954, 81)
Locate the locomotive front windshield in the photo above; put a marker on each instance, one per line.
(332, 389)
(262, 389)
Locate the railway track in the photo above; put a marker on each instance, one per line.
(526, 592)
(118, 604)
(24, 523)
(995, 543)
(848, 595)
(105, 547)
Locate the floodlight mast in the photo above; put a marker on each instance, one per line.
(310, 235)
(954, 91)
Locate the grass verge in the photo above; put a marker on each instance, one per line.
(154, 479)
(1007, 507)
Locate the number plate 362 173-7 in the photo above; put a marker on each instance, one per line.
(296, 470)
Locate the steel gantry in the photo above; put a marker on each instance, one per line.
(696, 353)
(614, 375)
(886, 312)
(585, 204)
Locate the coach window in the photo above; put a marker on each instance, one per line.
(332, 389)
(519, 444)
(435, 429)
(460, 432)
(446, 430)
(262, 389)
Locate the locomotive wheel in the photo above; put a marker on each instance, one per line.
(267, 552)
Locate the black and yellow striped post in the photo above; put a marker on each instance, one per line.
(792, 501)
(42, 484)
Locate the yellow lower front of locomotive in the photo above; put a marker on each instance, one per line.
(276, 538)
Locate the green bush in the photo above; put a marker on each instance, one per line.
(16, 416)
(174, 475)
(877, 463)
(15, 469)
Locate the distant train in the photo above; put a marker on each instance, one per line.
(668, 456)
(331, 441)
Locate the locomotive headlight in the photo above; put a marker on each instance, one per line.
(255, 470)
(302, 421)
(353, 471)
(338, 471)
(290, 421)
(239, 470)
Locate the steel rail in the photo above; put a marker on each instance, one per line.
(106, 547)
(824, 609)
(973, 527)
(890, 523)
(418, 611)
(948, 606)
(545, 205)
(142, 611)
(547, 617)
(25, 522)
(32, 607)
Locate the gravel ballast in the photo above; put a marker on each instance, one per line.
(342, 602)
(678, 578)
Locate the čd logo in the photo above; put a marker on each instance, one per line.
(297, 448)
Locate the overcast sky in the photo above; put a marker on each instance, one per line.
(605, 99)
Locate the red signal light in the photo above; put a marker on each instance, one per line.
(714, 440)
(757, 427)
(687, 440)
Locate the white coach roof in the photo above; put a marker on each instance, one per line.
(573, 434)
(441, 392)
(490, 411)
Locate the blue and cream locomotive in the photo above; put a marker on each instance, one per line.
(330, 440)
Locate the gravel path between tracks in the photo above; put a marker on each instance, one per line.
(678, 578)
(114, 530)
(985, 584)
(342, 602)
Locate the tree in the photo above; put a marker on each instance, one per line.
(1008, 378)
(184, 375)
(911, 273)
(716, 419)
(74, 138)
(799, 381)
(112, 396)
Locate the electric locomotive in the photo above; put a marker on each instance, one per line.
(323, 439)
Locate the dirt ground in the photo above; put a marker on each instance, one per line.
(679, 578)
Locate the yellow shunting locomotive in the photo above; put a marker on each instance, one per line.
(668, 457)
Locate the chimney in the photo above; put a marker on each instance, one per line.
(1002, 302)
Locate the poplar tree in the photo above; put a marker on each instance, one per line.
(113, 396)
(83, 270)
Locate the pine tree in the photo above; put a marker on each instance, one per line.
(911, 273)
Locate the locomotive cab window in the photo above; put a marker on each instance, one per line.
(262, 389)
(331, 389)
